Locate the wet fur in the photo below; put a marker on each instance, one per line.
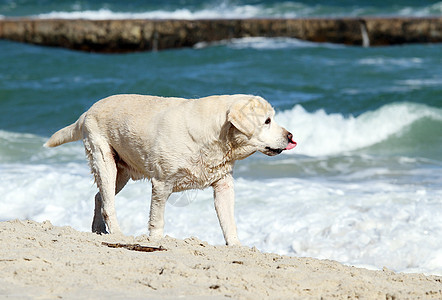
(177, 143)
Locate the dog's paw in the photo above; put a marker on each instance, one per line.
(233, 242)
(155, 235)
(99, 228)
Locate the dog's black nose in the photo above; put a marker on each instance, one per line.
(289, 137)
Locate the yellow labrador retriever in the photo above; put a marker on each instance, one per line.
(178, 144)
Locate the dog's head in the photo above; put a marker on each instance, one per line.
(253, 117)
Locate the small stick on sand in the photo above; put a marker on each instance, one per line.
(134, 247)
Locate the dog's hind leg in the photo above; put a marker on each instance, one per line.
(98, 224)
(104, 168)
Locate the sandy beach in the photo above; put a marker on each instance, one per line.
(39, 260)
(354, 211)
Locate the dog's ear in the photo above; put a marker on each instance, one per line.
(241, 115)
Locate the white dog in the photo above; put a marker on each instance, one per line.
(178, 144)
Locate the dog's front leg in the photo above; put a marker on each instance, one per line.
(160, 193)
(224, 205)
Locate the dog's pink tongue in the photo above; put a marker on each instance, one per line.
(291, 145)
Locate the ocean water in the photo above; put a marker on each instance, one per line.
(194, 9)
(363, 186)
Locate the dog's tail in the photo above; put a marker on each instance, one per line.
(68, 134)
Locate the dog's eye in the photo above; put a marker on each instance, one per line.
(268, 121)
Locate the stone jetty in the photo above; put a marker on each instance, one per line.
(116, 36)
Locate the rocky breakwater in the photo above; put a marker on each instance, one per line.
(113, 36)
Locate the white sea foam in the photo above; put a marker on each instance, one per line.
(266, 43)
(220, 11)
(375, 223)
(184, 13)
(395, 62)
(225, 10)
(434, 9)
(263, 43)
(319, 133)
(421, 82)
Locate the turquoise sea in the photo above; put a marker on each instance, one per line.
(363, 186)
